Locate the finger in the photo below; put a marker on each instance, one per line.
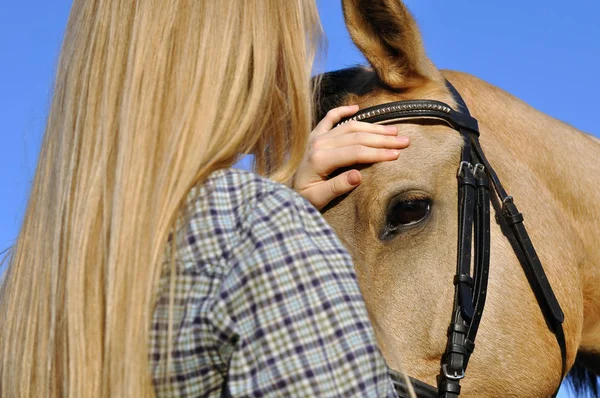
(323, 193)
(329, 160)
(333, 117)
(355, 127)
(372, 140)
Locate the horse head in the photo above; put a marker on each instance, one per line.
(400, 224)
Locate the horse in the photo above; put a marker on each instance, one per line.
(400, 224)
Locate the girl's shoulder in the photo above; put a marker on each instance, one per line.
(234, 211)
(240, 193)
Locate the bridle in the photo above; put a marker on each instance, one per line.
(470, 281)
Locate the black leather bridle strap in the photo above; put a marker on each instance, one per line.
(515, 220)
(482, 253)
(466, 215)
(454, 361)
(533, 267)
(481, 224)
(416, 109)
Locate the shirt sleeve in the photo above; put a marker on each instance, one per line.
(290, 315)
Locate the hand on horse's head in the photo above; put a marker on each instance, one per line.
(330, 148)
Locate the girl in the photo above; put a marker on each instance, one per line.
(145, 265)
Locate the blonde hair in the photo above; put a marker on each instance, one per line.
(150, 98)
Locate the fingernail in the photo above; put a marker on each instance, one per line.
(395, 152)
(402, 138)
(354, 178)
(392, 129)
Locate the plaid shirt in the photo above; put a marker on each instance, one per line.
(265, 301)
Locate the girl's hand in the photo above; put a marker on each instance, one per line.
(331, 148)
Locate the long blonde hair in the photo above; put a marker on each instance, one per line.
(150, 98)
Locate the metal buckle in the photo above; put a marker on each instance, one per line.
(455, 376)
(478, 167)
(461, 167)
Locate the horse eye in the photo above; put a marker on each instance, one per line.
(404, 214)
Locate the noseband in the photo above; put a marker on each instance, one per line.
(475, 176)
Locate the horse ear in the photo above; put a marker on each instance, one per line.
(388, 36)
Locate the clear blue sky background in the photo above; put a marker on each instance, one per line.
(546, 53)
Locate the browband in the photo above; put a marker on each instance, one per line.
(417, 109)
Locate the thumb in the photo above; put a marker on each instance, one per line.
(320, 195)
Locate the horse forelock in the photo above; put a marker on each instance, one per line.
(361, 84)
(334, 87)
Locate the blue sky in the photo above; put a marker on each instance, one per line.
(546, 53)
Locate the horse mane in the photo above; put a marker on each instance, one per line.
(583, 376)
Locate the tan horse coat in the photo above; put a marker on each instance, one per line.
(551, 169)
